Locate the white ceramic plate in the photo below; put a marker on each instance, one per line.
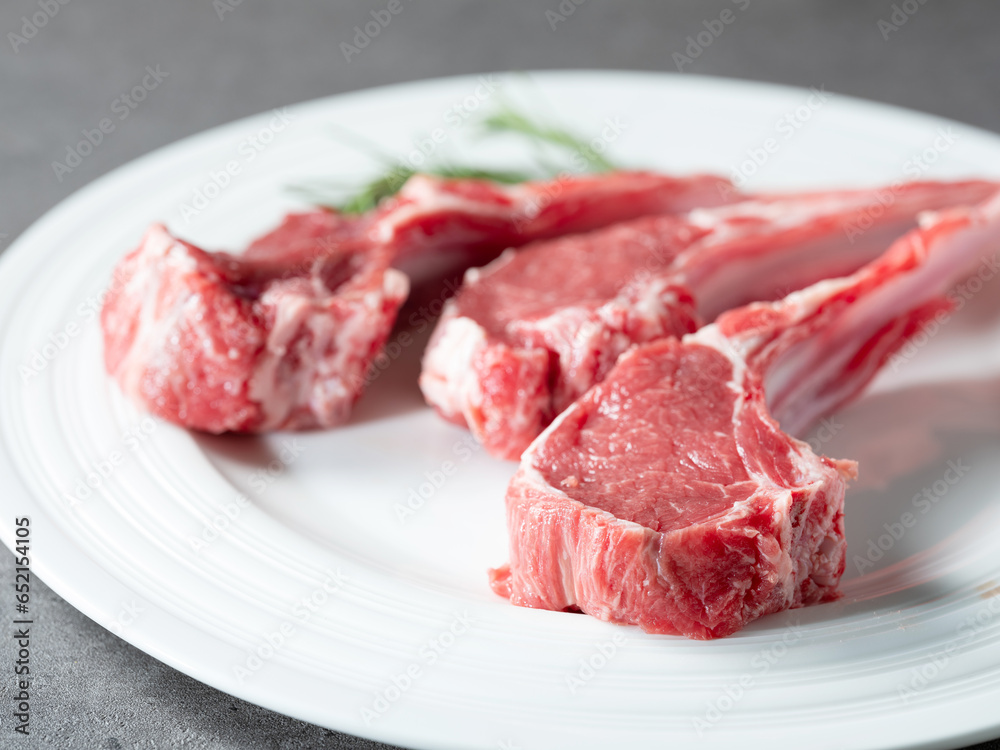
(316, 599)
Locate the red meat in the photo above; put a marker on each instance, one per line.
(217, 342)
(282, 336)
(669, 496)
(530, 333)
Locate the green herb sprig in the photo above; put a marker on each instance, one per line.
(508, 120)
(505, 120)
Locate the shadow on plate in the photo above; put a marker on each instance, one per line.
(929, 469)
(392, 388)
(250, 450)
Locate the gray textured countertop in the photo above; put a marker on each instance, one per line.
(96, 691)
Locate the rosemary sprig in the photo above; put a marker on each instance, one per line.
(390, 183)
(505, 120)
(508, 120)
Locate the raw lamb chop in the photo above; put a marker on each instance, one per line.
(669, 497)
(436, 225)
(218, 343)
(530, 333)
(282, 337)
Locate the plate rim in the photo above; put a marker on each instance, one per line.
(18, 252)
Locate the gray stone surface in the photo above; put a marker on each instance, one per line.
(95, 691)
